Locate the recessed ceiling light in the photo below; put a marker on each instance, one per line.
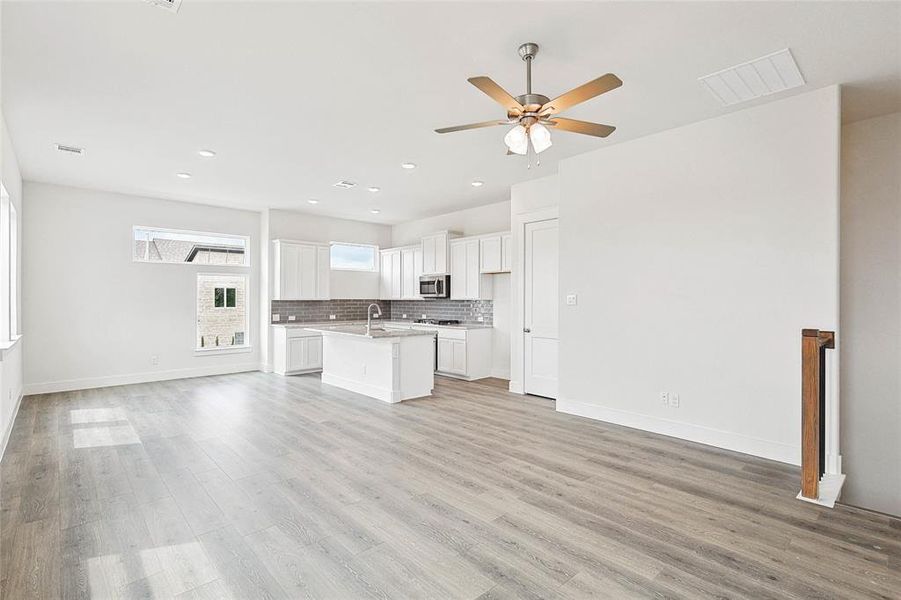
(478, 183)
(312, 201)
(375, 211)
(344, 184)
(373, 189)
(183, 175)
(408, 165)
(206, 153)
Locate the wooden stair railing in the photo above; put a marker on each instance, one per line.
(813, 408)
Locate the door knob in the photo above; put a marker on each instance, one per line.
(526, 330)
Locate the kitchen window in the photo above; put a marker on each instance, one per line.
(179, 246)
(223, 317)
(353, 257)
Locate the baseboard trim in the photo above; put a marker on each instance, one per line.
(515, 387)
(379, 393)
(12, 422)
(709, 436)
(132, 378)
(500, 373)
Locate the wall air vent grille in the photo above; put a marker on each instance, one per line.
(760, 77)
(170, 5)
(70, 149)
(344, 184)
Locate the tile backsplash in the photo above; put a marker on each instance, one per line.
(310, 311)
(467, 311)
(307, 311)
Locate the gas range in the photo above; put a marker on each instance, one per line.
(438, 321)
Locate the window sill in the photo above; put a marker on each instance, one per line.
(7, 345)
(222, 350)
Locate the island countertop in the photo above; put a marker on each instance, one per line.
(373, 333)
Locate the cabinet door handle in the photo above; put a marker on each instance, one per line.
(526, 330)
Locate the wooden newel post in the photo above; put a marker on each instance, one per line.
(813, 408)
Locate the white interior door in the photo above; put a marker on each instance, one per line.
(541, 316)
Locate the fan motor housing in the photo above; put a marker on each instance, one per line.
(531, 103)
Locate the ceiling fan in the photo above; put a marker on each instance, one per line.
(532, 114)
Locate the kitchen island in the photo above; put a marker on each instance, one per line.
(389, 365)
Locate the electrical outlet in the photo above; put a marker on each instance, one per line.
(276, 317)
(154, 360)
(674, 400)
(572, 299)
(481, 319)
(292, 318)
(404, 316)
(425, 316)
(332, 317)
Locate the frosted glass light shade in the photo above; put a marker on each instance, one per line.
(541, 137)
(517, 140)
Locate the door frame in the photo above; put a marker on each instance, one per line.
(518, 290)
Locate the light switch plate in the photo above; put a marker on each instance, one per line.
(572, 299)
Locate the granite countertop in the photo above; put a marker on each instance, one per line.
(373, 333)
(321, 324)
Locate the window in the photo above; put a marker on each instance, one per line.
(9, 267)
(353, 257)
(225, 298)
(152, 244)
(222, 314)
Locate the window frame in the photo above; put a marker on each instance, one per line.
(246, 238)
(225, 290)
(375, 257)
(247, 346)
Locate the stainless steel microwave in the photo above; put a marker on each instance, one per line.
(434, 286)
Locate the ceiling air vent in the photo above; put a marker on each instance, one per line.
(70, 149)
(760, 77)
(344, 184)
(170, 5)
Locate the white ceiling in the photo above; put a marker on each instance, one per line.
(294, 96)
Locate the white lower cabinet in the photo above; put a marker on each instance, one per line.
(464, 353)
(296, 350)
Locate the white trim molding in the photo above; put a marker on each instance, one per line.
(87, 383)
(12, 422)
(728, 440)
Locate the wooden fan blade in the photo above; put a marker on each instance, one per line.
(497, 93)
(470, 126)
(583, 127)
(582, 93)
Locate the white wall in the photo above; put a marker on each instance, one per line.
(538, 196)
(490, 218)
(871, 313)
(698, 255)
(11, 372)
(471, 221)
(93, 316)
(289, 225)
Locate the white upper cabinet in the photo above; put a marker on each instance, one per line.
(494, 253)
(434, 253)
(390, 274)
(466, 280)
(506, 253)
(301, 271)
(411, 268)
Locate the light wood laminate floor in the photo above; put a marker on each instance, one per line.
(259, 486)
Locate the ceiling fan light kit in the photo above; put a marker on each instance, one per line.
(531, 114)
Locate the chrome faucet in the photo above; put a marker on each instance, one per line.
(369, 315)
